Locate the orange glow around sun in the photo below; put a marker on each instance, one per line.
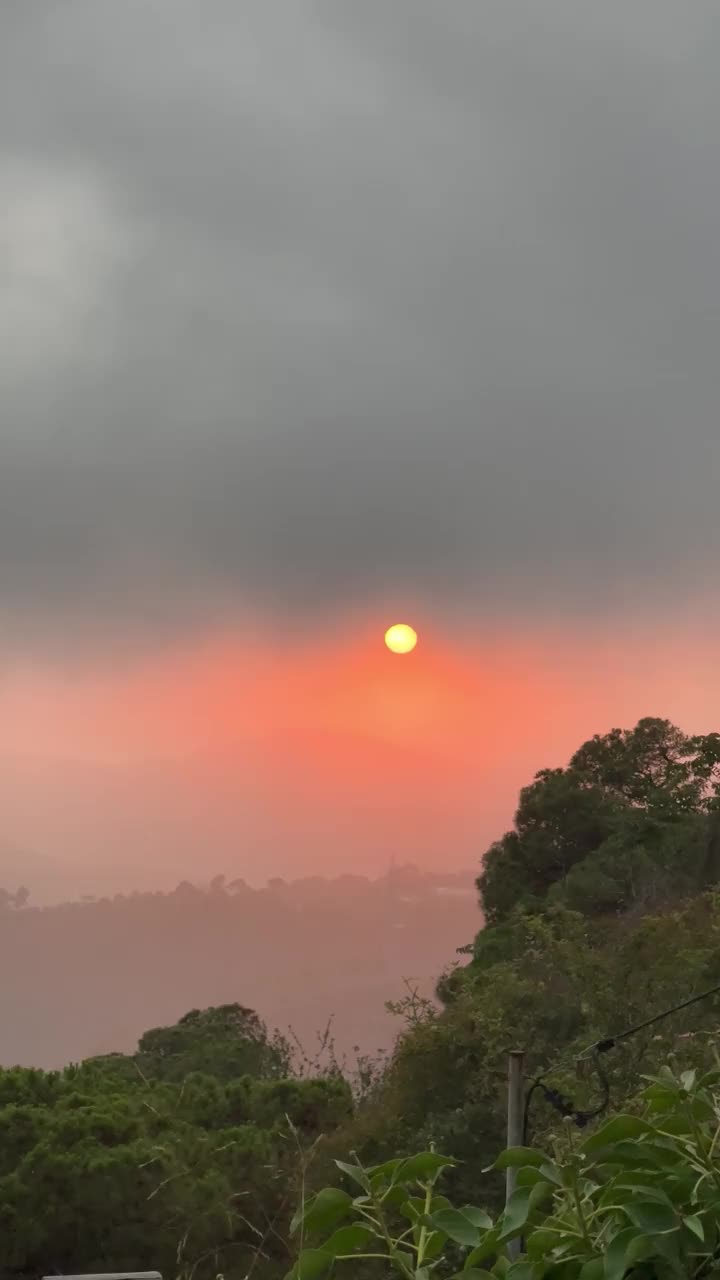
(400, 638)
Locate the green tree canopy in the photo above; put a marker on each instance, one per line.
(613, 828)
(226, 1041)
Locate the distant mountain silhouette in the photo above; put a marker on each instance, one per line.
(89, 977)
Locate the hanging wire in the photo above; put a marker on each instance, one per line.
(564, 1105)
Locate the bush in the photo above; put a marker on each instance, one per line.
(639, 1197)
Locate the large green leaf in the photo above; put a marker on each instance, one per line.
(423, 1167)
(455, 1224)
(651, 1217)
(313, 1264)
(627, 1248)
(539, 1243)
(538, 1193)
(517, 1157)
(328, 1208)
(434, 1244)
(617, 1260)
(381, 1174)
(487, 1246)
(527, 1176)
(592, 1270)
(516, 1213)
(638, 1184)
(642, 1155)
(349, 1239)
(478, 1216)
(694, 1224)
(355, 1172)
(551, 1173)
(616, 1130)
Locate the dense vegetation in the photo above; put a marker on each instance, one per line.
(639, 1197)
(602, 907)
(176, 1157)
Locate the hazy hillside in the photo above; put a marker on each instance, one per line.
(89, 977)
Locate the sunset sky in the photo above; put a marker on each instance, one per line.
(320, 315)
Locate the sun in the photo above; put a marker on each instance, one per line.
(401, 638)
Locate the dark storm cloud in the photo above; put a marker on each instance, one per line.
(304, 301)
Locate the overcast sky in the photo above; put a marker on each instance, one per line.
(302, 302)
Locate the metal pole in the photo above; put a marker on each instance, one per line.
(515, 1108)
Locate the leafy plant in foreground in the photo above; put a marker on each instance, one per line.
(638, 1198)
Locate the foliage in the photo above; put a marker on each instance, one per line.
(558, 982)
(631, 819)
(188, 1154)
(229, 1041)
(640, 1196)
(103, 1166)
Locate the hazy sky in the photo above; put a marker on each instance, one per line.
(351, 305)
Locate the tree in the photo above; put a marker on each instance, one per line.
(104, 1168)
(559, 821)
(634, 813)
(654, 766)
(227, 1041)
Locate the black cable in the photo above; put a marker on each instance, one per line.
(564, 1106)
(603, 1046)
(536, 1084)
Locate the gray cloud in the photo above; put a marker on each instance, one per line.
(307, 301)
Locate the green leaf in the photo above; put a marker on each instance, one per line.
(643, 1155)
(693, 1223)
(540, 1242)
(551, 1172)
(394, 1197)
(322, 1213)
(616, 1130)
(434, 1244)
(384, 1172)
(312, 1264)
(487, 1246)
(404, 1258)
(423, 1167)
(592, 1270)
(457, 1226)
(636, 1183)
(478, 1216)
(520, 1271)
(617, 1258)
(651, 1217)
(661, 1099)
(517, 1157)
(528, 1177)
(473, 1273)
(348, 1239)
(539, 1192)
(355, 1172)
(413, 1208)
(516, 1213)
(439, 1202)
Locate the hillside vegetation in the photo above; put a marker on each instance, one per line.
(193, 1153)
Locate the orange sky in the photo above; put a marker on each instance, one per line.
(258, 752)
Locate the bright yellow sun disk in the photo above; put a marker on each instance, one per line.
(400, 638)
